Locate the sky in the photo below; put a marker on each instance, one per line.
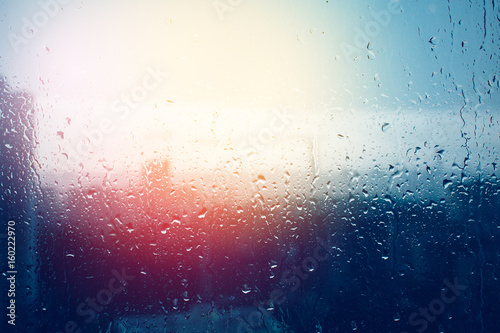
(261, 85)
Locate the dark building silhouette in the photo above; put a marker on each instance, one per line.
(20, 198)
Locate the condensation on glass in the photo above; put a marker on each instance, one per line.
(238, 166)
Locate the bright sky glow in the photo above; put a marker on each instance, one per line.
(222, 76)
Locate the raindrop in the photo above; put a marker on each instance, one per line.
(202, 213)
(447, 183)
(246, 289)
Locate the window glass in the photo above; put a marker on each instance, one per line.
(250, 166)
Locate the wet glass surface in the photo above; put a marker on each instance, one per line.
(250, 166)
